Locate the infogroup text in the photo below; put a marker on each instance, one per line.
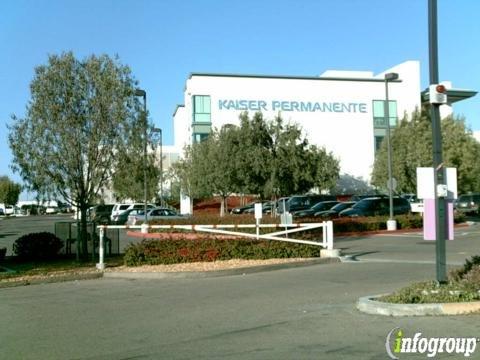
(397, 343)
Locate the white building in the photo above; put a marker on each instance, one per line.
(339, 110)
(342, 111)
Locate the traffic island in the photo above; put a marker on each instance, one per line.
(372, 305)
(458, 296)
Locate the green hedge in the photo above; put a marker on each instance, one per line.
(154, 252)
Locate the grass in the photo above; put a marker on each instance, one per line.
(463, 285)
(17, 269)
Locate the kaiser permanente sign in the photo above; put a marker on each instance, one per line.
(299, 106)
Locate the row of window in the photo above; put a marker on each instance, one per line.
(202, 116)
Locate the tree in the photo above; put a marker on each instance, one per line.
(128, 178)
(81, 114)
(9, 191)
(295, 166)
(268, 159)
(412, 148)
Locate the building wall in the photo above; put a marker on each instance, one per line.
(342, 122)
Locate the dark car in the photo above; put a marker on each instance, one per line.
(267, 207)
(303, 202)
(318, 207)
(100, 213)
(377, 206)
(468, 203)
(334, 211)
(242, 209)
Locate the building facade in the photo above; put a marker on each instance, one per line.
(342, 111)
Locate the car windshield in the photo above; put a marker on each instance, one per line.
(342, 206)
(322, 206)
(465, 198)
(363, 204)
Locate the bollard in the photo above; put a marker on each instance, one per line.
(101, 249)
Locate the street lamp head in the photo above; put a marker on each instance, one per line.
(391, 76)
(140, 92)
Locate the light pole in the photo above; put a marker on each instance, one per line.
(143, 93)
(391, 223)
(439, 175)
(160, 144)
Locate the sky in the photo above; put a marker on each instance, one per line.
(163, 41)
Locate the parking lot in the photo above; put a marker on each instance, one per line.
(307, 312)
(11, 228)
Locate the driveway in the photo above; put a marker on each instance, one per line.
(296, 313)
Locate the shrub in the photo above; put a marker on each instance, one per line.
(459, 274)
(463, 285)
(154, 252)
(37, 246)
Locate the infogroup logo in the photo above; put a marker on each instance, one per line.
(397, 343)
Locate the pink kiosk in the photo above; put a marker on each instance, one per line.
(447, 193)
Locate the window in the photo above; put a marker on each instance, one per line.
(378, 142)
(379, 113)
(199, 137)
(201, 109)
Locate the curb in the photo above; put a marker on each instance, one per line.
(370, 305)
(166, 275)
(216, 273)
(50, 280)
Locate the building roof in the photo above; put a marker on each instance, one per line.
(290, 77)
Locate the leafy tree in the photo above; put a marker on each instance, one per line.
(412, 148)
(128, 179)
(295, 165)
(256, 157)
(9, 191)
(81, 114)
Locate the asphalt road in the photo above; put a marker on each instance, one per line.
(296, 313)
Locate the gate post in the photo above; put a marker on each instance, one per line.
(328, 251)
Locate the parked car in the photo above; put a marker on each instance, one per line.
(335, 210)
(51, 210)
(468, 203)
(412, 198)
(100, 213)
(357, 198)
(318, 207)
(154, 214)
(302, 202)
(242, 209)
(2, 213)
(267, 207)
(121, 219)
(377, 206)
(120, 208)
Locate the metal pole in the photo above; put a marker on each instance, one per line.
(439, 179)
(145, 124)
(161, 169)
(389, 150)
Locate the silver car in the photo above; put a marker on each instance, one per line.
(154, 214)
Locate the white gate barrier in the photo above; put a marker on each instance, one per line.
(326, 243)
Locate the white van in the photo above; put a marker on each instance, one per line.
(120, 208)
